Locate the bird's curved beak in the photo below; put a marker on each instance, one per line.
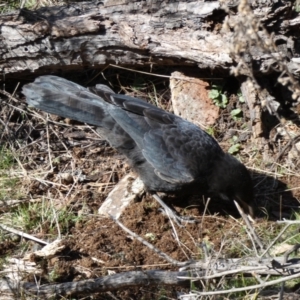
(247, 208)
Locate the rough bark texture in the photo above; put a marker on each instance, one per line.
(215, 268)
(107, 283)
(136, 33)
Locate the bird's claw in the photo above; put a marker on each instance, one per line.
(178, 219)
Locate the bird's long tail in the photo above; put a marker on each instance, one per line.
(69, 100)
(64, 98)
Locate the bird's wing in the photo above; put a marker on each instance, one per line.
(178, 150)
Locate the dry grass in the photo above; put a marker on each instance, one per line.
(7, 6)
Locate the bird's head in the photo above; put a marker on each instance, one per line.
(231, 180)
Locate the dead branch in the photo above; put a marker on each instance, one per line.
(107, 283)
(134, 33)
(153, 277)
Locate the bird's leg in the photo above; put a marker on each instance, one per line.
(171, 213)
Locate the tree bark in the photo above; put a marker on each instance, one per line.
(139, 33)
(107, 283)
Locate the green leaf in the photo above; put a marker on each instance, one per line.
(234, 148)
(224, 100)
(235, 112)
(241, 98)
(210, 131)
(234, 138)
(213, 94)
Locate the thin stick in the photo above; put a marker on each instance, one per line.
(23, 234)
(48, 148)
(290, 222)
(275, 240)
(251, 229)
(56, 219)
(159, 75)
(150, 246)
(204, 212)
(247, 288)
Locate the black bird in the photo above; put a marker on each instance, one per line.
(169, 153)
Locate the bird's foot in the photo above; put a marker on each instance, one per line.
(172, 214)
(178, 219)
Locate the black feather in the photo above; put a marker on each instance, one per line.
(169, 153)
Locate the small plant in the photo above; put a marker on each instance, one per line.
(292, 236)
(6, 159)
(297, 6)
(42, 217)
(8, 183)
(151, 236)
(235, 147)
(138, 84)
(210, 131)
(149, 205)
(11, 5)
(54, 275)
(236, 114)
(154, 97)
(240, 96)
(217, 96)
